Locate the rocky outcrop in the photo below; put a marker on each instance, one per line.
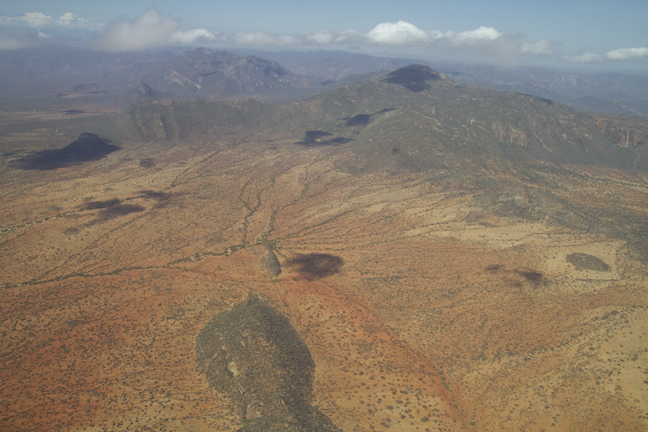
(254, 356)
(509, 134)
(269, 262)
(623, 135)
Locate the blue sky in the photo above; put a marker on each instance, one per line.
(571, 32)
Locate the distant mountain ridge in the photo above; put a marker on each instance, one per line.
(413, 118)
(57, 62)
(288, 76)
(207, 74)
(623, 93)
(330, 65)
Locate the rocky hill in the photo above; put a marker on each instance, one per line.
(207, 74)
(253, 354)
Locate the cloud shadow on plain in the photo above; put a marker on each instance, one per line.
(314, 138)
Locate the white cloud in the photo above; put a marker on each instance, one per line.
(150, 30)
(400, 33)
(483, 41)
(348, 36)
(588, 57)
(473, 36)
(627, 54)
(619, 54)
(36, 19)
(541, 47)
(321, 37)
(265, 39)
(39, 20)
(193, 36)
(69, 20)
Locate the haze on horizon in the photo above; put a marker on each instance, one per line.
(565, 34)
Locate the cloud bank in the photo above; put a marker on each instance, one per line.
(483, 42)
(147, 31)
(154, 30)
(193, 36)
(38, 20)
(619, 54)
(400, 33)
(627, 54)
(150, 30)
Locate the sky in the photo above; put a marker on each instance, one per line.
(593, 33)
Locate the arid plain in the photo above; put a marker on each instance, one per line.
(424, 304)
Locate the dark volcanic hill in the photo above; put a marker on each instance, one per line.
(209, 74)
(87, 147)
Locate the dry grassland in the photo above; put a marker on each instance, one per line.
(442, 316)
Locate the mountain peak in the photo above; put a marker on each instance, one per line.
(219, 74)
(203, 51)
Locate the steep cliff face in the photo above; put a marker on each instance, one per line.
(623, 131)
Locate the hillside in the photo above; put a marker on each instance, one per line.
(415, 120)
(209, 74)
(407, 119)
(622, 93)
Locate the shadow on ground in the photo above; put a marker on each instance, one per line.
(88, 147)
(317, 266)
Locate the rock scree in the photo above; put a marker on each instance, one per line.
(254, 356)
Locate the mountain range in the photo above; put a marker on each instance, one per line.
(208, 75)
(413, 117)
(299, 74)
